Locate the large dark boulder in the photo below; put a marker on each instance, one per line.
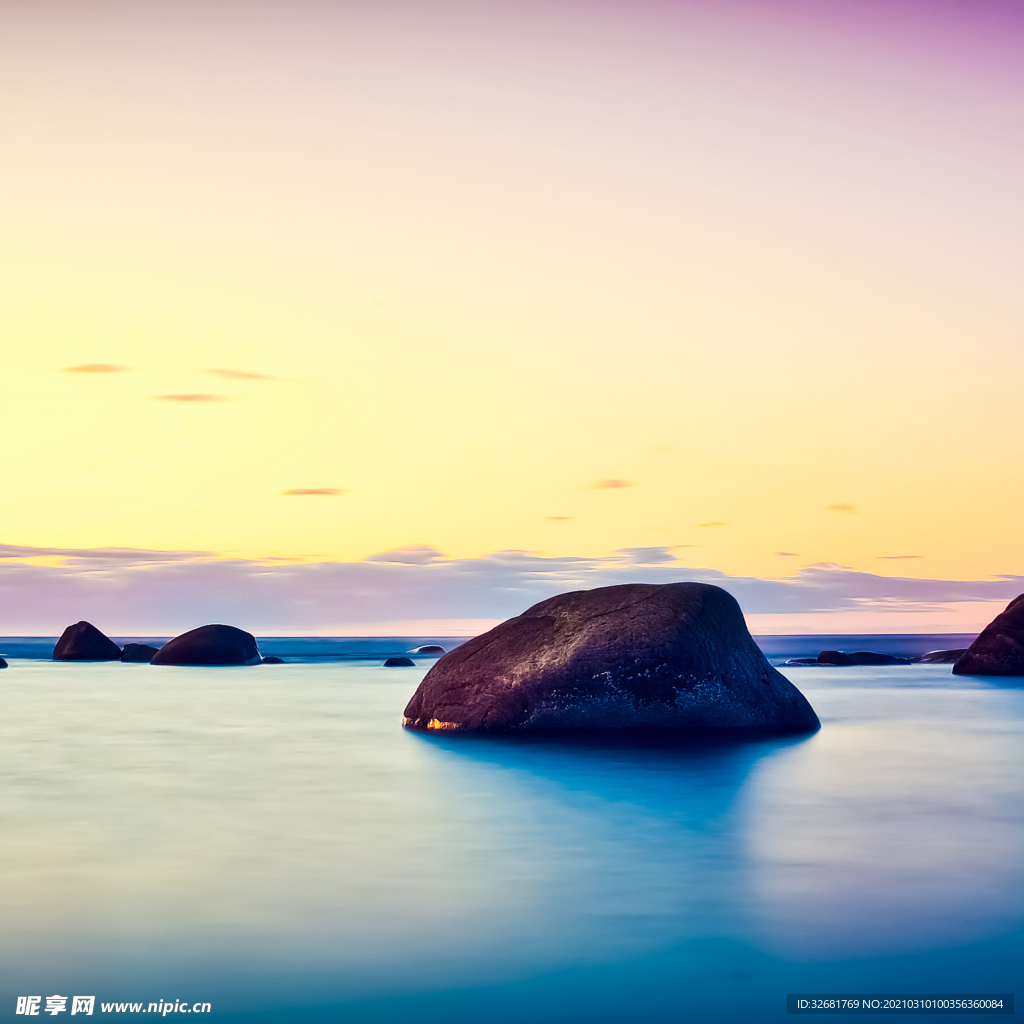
(139, 653)
(84, 642)
(999, 648)
(671, 656)
(3, 663)
(210, 645)
(399, 663)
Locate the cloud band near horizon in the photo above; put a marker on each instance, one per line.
(417, 589)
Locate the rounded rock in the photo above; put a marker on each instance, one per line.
(210, 645)
(941, 657)
(637, 656)
(138, 653)
(84, 642)
(999, 647)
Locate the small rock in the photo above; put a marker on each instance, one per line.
(3, 664)
(999, 647)
(871, 658)
(210, 645)
(430, 649)
(399, 663)
(84, 642)
(941, 657)
(138, 653)
(795, 662)
(271, 660)
(833, 658)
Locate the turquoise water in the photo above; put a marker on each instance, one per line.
(270, 840)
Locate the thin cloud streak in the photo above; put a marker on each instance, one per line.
(315, 490)
(190, 398)
(241, 375)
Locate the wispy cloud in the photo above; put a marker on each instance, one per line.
(901, 556)
(611, 485)
(96, 368)
(840, 507)
(190, 398)
(414, 554)
(241, 375)
(315, 490)
(787, 554)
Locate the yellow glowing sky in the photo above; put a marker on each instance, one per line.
(482, 265)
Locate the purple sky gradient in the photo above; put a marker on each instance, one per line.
(128, 592)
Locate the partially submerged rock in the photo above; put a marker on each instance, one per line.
(941, 657)
(84, 642)
(999, 648)
(3, 663)
(430, 649)
(873, 658)
(833, 658)
(399, 663)
(273, 661)
(670, 656)
(141, 653)
(210, 645)
(859, 658)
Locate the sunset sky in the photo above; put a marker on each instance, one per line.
(736, 283)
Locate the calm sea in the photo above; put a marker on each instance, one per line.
(270, 840)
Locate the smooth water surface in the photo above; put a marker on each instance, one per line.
(269, 839)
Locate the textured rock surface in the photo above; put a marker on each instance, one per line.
(399, 663)
(210, 645)
(141, 653)
(999, 648)
(84, 642)
(676, 655)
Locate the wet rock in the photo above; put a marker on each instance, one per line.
(138, 653)
(84, 642)
(210, 645)
(273, 661)
(430, 649)
(833, 658)
(638, 656)
(999, 648)
(796, 662)
(3, 663)
(399, 663)
(872, 658)
(941, 657)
